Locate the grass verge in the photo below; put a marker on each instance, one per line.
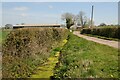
(81, 58)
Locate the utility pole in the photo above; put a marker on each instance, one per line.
(92, 17)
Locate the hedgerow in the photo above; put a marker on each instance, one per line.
(113, 32)
(26, 48)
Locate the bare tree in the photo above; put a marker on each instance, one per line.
(69, 18)
(88, 23)
(82, 18)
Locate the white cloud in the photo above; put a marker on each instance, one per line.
(50, 7)
(21, 8)
(49, 15)
(23, 14)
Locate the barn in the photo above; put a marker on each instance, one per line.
(35, 25)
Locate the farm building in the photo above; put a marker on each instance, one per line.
(76, 27)
(35, 25)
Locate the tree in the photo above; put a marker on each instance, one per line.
(22, 23)
(8, 26)
(88, 23)
(69, 18)
(102, 24)
(82, 18)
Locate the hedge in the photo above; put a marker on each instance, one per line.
(26, 48)
(113, 32)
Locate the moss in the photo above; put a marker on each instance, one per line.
(47, 69)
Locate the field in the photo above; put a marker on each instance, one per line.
(3, 34)
(85, 59)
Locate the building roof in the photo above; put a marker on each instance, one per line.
(27, 25)
(79, 26)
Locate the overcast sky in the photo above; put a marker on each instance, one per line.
(50, 12)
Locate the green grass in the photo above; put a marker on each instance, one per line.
(85, 59)
(0, 36)
(3, 34)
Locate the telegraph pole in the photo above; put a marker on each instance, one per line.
(92, 17)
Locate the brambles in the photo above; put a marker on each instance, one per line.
(25, 49)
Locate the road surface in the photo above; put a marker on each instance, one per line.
(98, 40)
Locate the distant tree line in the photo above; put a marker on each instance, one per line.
(105, 25)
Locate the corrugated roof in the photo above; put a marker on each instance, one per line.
(37, 25)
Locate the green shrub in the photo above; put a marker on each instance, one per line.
(26, 48)
(110, 32)
(87, 31)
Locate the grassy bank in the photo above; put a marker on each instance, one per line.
(81, 58)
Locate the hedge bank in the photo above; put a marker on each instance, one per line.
(113, 32)
(26, 48)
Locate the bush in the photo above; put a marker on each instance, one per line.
(87, 31)
(113, 32)
(24, 49)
